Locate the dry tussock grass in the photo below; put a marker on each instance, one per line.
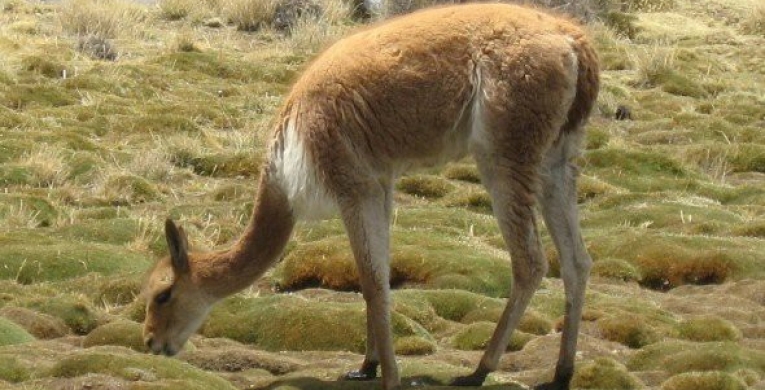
(21, 216)
(101, 18)
(754, 23)
(249, 15)
(651, 62)
(47, 166)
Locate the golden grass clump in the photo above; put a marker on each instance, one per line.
(668, 270)
(616, 269)
(414, 345)
(604, 373)
(425, 186)
(474, 199)
(708, 328)
(627, 329)
(101, 18)
(463, 172)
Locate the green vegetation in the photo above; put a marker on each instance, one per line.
(709, 328)
(424, 186)
(604, 373)
(39, 325)
(704, 380)
(115, 115)
(122, 333)
(137, 368)
(11, 333)
(12, 371)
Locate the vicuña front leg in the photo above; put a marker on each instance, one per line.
(367, 223)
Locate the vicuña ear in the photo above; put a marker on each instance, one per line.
(178, 246)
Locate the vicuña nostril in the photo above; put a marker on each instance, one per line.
(149, 341)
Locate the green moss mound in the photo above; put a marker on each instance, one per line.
(713, 380)
(115, 231)
(708, 328)
(476, 336)
(31, 258)
(604, 373)
(39, 325)
(288, 322)
(12, 333)
(120, 333)
(135, 367)
(75, 311)
(418, 259)
(676, 357)
(452, 305)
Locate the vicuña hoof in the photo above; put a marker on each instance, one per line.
(367, 372)
(552, 386)
(474, 379)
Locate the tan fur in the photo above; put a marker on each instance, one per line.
(509, 85)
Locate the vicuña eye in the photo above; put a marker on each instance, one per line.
(162, 297)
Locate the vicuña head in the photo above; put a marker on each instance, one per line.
(512, 87)
(176, 303)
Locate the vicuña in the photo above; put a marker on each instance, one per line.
(511, 86)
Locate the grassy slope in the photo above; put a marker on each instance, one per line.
(95, 154)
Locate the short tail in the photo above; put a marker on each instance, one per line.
(587, 85)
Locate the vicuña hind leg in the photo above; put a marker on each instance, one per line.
(367, 223)
(558, 200)
(512, 189)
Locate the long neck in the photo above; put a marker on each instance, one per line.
(260, 246)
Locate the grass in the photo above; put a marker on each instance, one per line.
(290, 323)
(704, 380)
(11, 333)
(604, 373)
(122, 333)
(101, 18)
(114, 116)
(39, 325)
(137, 367)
